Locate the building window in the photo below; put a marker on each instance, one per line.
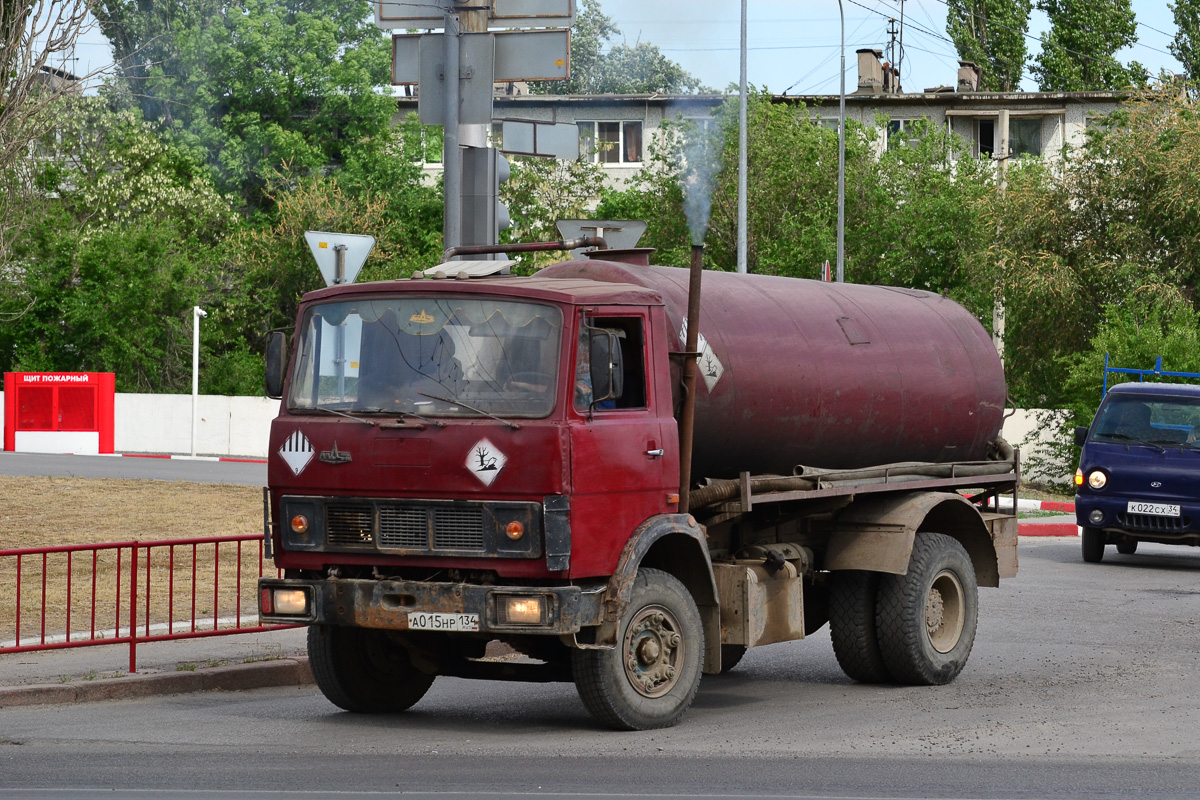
(611, 142)
(985, 138)
(1025, 136)
(903, 131)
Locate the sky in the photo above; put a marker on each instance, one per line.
(793, 45)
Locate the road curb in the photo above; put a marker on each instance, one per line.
(292, 671)
(1047, 529)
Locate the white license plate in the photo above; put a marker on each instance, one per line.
(430, 621)
(1153, 509)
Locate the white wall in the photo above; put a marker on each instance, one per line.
(1019, 430)
(162, 423)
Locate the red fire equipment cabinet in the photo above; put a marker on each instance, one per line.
(59, 412)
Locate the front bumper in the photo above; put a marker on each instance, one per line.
(1114, 517)
(387, 604)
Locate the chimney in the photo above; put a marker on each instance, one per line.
(969, 76)
(870, 71)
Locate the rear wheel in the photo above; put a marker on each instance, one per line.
(926, 618)
(363, 670)
(852, 625)
(1093, 545)
(650, 678)
(1127, 547)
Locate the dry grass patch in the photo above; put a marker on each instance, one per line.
(190, 581)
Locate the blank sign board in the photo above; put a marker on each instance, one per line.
(526, 138)
(517, 55)
(503, 14)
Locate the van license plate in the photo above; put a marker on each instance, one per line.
(1153, 509)
(430, 621)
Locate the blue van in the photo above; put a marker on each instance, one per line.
(1139, 471)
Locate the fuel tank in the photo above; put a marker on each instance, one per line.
(825, 375)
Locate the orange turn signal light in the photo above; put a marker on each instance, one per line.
(515, 530)
(300, 524)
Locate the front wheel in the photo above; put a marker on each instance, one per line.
(650, 678)
(363, 670)
(1127, 547)
(1093, 545)
(926, 618)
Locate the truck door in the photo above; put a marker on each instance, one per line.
(623, 467)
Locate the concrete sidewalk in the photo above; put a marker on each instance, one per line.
(82, 674)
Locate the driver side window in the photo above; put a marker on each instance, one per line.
(630, 339)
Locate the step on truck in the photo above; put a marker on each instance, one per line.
(509, 478)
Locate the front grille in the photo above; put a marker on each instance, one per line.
(403, 527)
(1150, 522)
(349, 525)
(417, 527)
(458, 529)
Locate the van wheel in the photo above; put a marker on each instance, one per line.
(1093, 545)
(650, 678)
(852, 625)
(926, 618)
(363, 670)
(1127, 547)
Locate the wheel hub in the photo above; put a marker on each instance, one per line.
(654, 650)
(945, 611)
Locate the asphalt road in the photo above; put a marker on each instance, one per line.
(1082, 684)
(165, 469)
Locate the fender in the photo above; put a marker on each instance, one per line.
(876, 533)
(677, 544)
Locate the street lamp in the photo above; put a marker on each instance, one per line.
(197, 313)
(841, 220)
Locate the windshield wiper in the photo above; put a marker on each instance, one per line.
(507, 422)
(1127, 438)
(328, 410)
(403, 415)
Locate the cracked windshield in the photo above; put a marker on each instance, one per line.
(457, 357)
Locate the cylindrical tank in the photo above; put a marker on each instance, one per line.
(832, 375)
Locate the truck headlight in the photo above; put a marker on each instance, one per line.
(1097, 479)
(290, 601)
(523, 609)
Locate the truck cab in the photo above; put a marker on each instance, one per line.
(1137, 476)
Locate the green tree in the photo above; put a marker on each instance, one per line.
(991, 33)
(640, 68)
(1186, 45)
(256, 85)
(541, 191)
(1078, 51)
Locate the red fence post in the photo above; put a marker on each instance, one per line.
(133, 560)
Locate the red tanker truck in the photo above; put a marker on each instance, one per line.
(504, 478)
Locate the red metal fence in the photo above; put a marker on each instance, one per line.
(130, 592)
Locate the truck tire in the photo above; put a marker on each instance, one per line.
(650, 678)
(852, 629)
(363, 671)
(1093, 545)
(926, 618)
(1127, 547)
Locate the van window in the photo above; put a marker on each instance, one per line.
(1148, 418)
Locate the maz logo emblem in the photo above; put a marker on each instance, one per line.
(334, 456)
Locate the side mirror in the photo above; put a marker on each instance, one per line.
(276, 358)
(1080, 436)
(608, 372)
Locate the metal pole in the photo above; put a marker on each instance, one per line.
(451, 158)
(841, 220)
(687, 421)
(742, 114)
(197, 313)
